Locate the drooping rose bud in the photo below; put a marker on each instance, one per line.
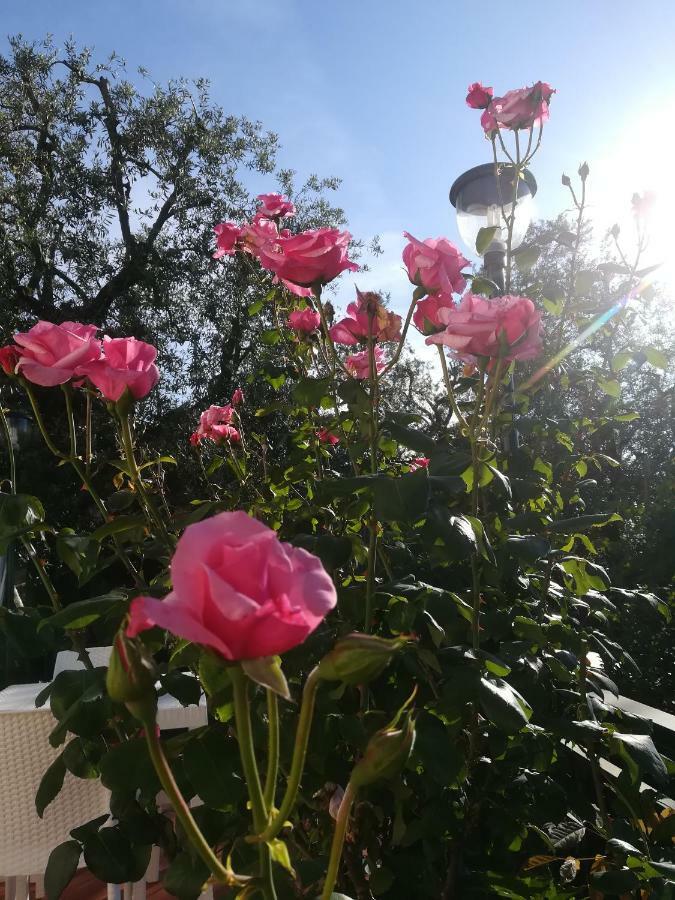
(9, 357)
(131, 680)
(237, 397)
(358, 658)
(386, 754)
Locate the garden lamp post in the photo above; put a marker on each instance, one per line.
(478, 197)
(481, 198)
(21, 429)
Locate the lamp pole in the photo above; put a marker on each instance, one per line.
(478, 196)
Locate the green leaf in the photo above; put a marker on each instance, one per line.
(503, 705)
(270, 337)
(211, 765)
(609, 386)
(528, 546)
(621, 360)
(640, 748)
(50, 785)
(267, 671)
(61, 867)
(584, 281)
(485, 237)
(118, 526)
(402, 499)
(583, 523)
(127, 767)
(184, 687)
(308, 392)
(81, 757)
(255, 307)
(656, 357)
(410, 437)
(279, 853)
(526, 257)
(84, 612)
(110, 856)
(485, 286)
(186, 876)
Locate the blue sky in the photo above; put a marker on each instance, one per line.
(373, 90)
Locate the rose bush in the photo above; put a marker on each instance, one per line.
(442, 567)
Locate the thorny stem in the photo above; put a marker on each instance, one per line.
(182, 810)
(151, 510)
(272, 749)
(372, 525)
(298, 761)
(448, 387)
(10, 449)
(338, 841)
(242, 713)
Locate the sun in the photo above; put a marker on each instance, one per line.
(639, 160)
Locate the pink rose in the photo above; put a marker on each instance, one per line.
(126, 364)
(304, 320)
(523, 108)
(420, 462)
(426, 312)
(237, 397)
(508, 327)
(227, 239)
(9, 357)
(358, 364)
(327, 437)
(239, 590)
(257, 233)
(311, 257)
(642, 205)
(275, 206)
(221, 432)
(479, 96)
(435, 264)
(52, 354)
(367, 318)
(215, 424)
(195, 439)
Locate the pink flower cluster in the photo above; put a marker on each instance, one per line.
(239, 590)
(518, 109)
(299, 261)
(50, 355)
(358, 364)
(367, 318)
(506, 327)
(435, 266)
(215, 423)
(324, 436)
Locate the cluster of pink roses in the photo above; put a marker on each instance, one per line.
(215, 423)
(509, 327)
(50, 355)
(519, 109)
(299, 261)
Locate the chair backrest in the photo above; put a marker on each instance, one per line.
(26, 840)
(68, 659)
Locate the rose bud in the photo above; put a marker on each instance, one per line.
(386, 754)
(131, 679)
(358, 658)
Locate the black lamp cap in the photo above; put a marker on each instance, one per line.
(487, 169)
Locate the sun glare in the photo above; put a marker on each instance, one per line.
(638, 160)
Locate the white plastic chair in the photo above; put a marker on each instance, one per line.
(170, 715)
(26, 840)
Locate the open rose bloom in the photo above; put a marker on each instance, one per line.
(126, 364)
(53, 354)
(508, 327)
(367, 317)
(275, 206)
(215, 424)
(239, 590)
(434, 264)
(312, 257)
(519, 109)
(304, 321)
